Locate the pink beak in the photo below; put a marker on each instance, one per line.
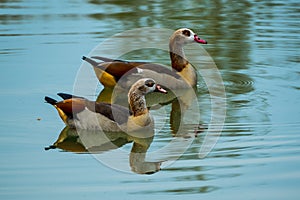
(199, 40)
(160, 89)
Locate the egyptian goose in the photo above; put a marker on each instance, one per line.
(183, 75)
(80, 113)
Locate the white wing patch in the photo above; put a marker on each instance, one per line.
(139, 70)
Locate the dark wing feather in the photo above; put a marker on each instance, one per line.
(159, 69)
(118, 68)
(113, 112)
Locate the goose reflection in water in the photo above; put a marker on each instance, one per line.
(97, 142)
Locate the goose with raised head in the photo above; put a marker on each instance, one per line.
(81, 113)
(182, 75)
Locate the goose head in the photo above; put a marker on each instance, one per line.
(145, 86)
(185, 36)
(137, 92)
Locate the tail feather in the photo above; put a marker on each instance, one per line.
(50, 100)
(65, 96)
(103, 58)
(50, 147)
(92, 62)
(110, 60)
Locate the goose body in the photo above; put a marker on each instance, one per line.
(182, 75)
(80, 113)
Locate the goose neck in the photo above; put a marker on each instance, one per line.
(177, 56)
(137, 104)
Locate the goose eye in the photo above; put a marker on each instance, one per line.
(149, 83)
(186, 33)
(142, 88)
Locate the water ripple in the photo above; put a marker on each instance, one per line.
(238, 83)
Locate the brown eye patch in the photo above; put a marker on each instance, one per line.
(149, 83)
(142, 88)
(186, 33)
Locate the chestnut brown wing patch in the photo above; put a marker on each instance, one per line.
(118, 68)
(71, 106)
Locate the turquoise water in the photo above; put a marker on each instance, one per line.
(255, 47)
